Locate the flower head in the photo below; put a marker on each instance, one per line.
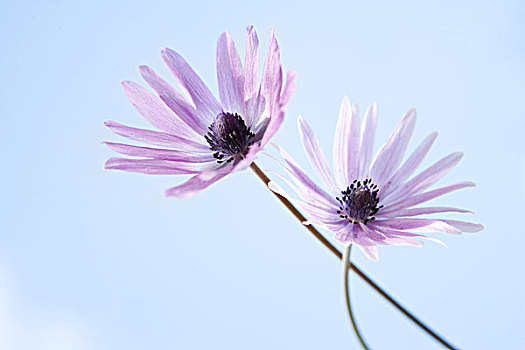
(369, 201)
(199, 135)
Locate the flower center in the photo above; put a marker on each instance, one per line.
(229, 137)
(359, 202)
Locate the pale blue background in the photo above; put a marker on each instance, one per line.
(92, 259)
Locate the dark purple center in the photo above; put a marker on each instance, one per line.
(359, 202)
(229, 137)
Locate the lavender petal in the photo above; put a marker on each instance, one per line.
(391, 153)
(230, 75)
(201, 96)
(185, 111)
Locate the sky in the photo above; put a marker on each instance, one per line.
(96, 259)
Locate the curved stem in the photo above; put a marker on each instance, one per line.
(347, 263)
(354, 268)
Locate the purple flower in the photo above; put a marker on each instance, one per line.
(200, 135)
(371, 201)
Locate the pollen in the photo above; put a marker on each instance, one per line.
(359, 202)
(229, 137)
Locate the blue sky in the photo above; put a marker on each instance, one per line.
(93, 259)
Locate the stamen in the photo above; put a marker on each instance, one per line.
(359, 202)
(229, 137)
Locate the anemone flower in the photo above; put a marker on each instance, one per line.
(369, 201)
(199, 135)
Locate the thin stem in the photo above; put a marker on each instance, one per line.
(347, 263)
(354, 268)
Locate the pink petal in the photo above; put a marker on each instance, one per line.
(197, 183)
(373, 235)
(346, 233)
(308, 198)
(155, 111)
(230, 75)
(368, 131)
(201, 96)
(251, 63)
(426, 196)
(370, 250)
(419, 225)
(428, 177)
(391, 153)
(255, 113)
(315, 154)
(157, 153)
(408, 167)
(289, 89)
(156, 138)
(388, 239)
(153, 166)
(275, 122)
(401, 241)
(303, 181)
(271, 81)
(390, 233)
(464, 226)
(354, 142)
(422, 211)
(340, 149)
(185, 111)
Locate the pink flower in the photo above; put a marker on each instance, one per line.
(201, 135)
(369, 201)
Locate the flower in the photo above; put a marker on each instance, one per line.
(200, 135)
(369, 202)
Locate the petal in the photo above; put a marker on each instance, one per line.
(410, 165)
(273, 125)
(390, 233)
(426, 196)
(354, 142)
(371, 234)
(157, 153)
(419, 225)
(255, 113)
(156, 112)
(391, 153)
(401, 241)
(289, 89)
(306, 198)
(315, 155)
(346, 233)
(251, 63)
(186, 112)
(370, 250)
(156, 138)
(422, 211)
(303, 181)
(368, 131)
(248, 158)
(427, 177)
(272, 79)
(201, 96)
(316, 209)
(388, 239)
(153, 166)
(197, 183)
(464, 226)
(230, 75)
(340, 149)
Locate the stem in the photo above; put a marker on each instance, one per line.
(347, 263)
(353, 267)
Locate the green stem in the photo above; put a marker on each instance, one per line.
(347, 263)
(353, 267)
